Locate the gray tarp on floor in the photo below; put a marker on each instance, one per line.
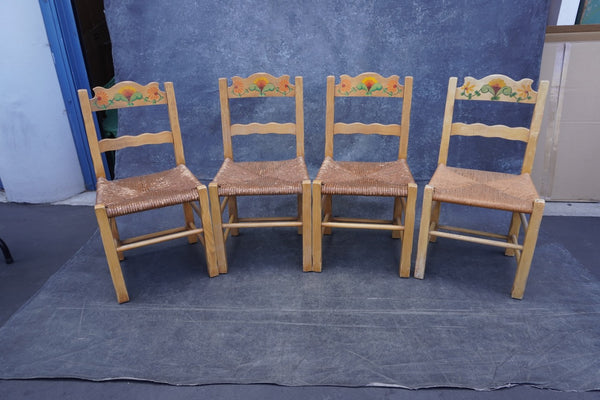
(354, 324)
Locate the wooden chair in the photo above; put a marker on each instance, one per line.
(256, 178)
(494, 190)
(141, 193)
(349, 178)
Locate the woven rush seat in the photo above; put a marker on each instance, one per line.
(487, 189)
(261, 177)
(365, 178)
(141, 193)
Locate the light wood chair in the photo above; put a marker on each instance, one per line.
(354, 178)
(493, 190)
(142, 193)
(259, 178)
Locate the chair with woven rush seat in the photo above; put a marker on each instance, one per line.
(492, 190)
(362, 178)
(260, 178)
(119, 197)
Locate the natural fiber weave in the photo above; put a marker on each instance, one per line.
(261, 177)
(365, 178)
(146, 192)
(484, 189)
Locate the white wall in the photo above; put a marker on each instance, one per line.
(38, 159)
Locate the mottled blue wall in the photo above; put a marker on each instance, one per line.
(193, 43)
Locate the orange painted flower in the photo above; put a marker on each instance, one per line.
(468, 87)
(127, 92)
(261, 83)
(369, 82)
(393, 86)
(238, 86)
(101, 98)
(345, 85)
(153, 93)
(524, 92)
(283, 85)
(496, 85)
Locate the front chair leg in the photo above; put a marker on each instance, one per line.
(529, 242)
(409, 227)
(307, 264)
(317, 232)
(424, 233)
(209, 237)
(215, 207)
(112, 257)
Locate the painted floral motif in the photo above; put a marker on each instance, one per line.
(369, 85)
(497, 87)
(392, 87)
(127, 94)
(262, 85)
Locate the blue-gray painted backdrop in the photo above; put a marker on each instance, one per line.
(193, 43)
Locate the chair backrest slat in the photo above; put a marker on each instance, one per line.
(128, 94)
(368, 84)
(261, 85)
(134, 141)
(495, 88)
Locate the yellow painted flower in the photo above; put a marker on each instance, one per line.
(496, 85)
(468, 87)
(369, 82)
(261, 83)
(127, 92)
(524, 92)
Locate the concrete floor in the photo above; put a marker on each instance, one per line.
(42, 237)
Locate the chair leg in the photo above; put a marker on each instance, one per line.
(117, 238)
(233, 211)
(515, 227)
(215, 207)
(397, 217)
(112, 257)
(188, 213)
(6, 252)
(529, 243)
(424, 233)
(327, 209)
(306, 227)
(317, 233)
(435, 218)
(409, 227)
(209, 237)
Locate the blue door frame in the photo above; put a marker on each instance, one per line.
(72, 75)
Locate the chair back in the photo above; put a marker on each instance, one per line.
(368, 84)
(261, 85)
(124, 95)
(495, 88)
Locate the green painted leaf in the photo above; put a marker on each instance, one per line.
(269, 87)
(376, 87)
(253, 88)
(136, 96)
(119, 97)
(506, 90)
(361, 86)
(486, 89)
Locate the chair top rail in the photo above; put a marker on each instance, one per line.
(369, 84)
(497, 87)
(127, 94)
(261, 84)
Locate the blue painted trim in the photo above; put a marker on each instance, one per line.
(70, 68)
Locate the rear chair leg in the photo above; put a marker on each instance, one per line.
(397, 217)
(233, 211)
(515, 227)
(188, 213)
